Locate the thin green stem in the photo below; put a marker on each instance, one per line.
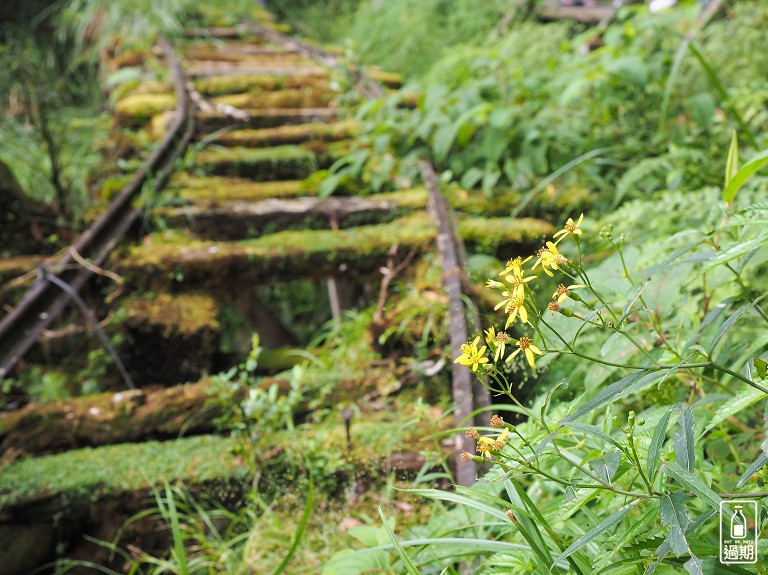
(738, 376)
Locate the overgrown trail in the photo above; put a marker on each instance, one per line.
(242, 220)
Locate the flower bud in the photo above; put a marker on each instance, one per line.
(574, 296)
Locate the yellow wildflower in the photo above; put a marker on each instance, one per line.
(465, 456)
(550, 256)
(483, 444)
(490, 336)
(553, 306)
(526, 346)
(497, 420)
(496, 341)
(570, 228)
(515, 305)
(562, 292)
(517, 280)
(501, 343)
(471, 356)
(472, 433)
(514, 264)
(501, 441)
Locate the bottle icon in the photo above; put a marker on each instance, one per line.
(738, 524)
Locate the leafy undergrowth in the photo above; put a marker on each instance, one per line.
(631, 383)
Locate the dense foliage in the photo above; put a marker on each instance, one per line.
(627, 355)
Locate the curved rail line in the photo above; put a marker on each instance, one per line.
(44, 301)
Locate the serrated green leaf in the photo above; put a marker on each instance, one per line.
(761, 367)
(692, 483)
(613, 519)
(732, 163)
(657, 441)
(736, 251)
(674, 515)
(746, 397)
(683, 441)
(638, 531)
(741, 176)
(753, 215)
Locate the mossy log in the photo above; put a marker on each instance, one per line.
(108, 418)
(254, 55)
(230, 220)
(388, 79)
(165, 258)
(303, 97)
(212, 190)
(289, 135)
(46, 503)
(260, 83)
(269, 164)
(286, 255)
(170, 338)
(137, 109)
(208, 69)
(487, 235)
(207, 122)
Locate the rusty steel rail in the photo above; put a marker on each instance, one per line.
(44, 301)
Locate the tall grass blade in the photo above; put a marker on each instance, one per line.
(406, 559)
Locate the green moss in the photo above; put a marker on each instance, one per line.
(289, 253)
(277, 163)
(305, 97)
(550, 203)
(290, 134)
(210, 53)
(389, 79)
(488, 234)
(259, 83)
(113, 184)
(182, 314)
(215, 189)
(95, 472)
(265, 118)
(139, 109)
(142, 88)
(347, 185)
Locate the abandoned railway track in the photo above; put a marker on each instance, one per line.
(241, 135)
